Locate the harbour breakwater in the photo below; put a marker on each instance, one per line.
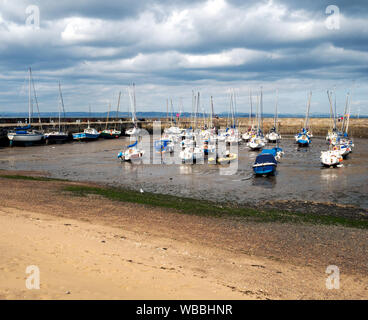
(358, 128)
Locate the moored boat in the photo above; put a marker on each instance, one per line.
(87, 135)
(265, 164)
(110, 134)
(331, 158)
(25, 135)
(131, 153)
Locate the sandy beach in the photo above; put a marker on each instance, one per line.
(90, 247)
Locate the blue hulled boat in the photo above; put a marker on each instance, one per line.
(265, 164)
(266, 161)
(303, 138)
(87, 134)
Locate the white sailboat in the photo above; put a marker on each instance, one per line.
(25, 135)
(273, 136)
(257, 141)
(246, 136)
(58, 136)
(331, 158)
(135, 130)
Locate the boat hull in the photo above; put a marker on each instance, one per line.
(303, 143)
(106, 135)
(265, 170)
(56, 138)
(25, 138)
(85, 136)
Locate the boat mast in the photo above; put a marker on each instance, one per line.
(257, 114)
(212, 112)
(197, 109)
(332, 117)
(167, 109)
(193, 108)
(335, 110)
(108, 114)
(134, 105)
(261, 110)
(345, 113)
(62, 105)
(275, 117)
(234, 110)
(171, 111)
(36, 100)
(117, 109)
(348, 115)
(306, 123)
(29, 98)
(251, 109)
(89, 113)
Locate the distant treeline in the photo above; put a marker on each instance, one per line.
(155, 115)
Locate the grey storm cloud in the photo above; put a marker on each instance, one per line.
(170, 47)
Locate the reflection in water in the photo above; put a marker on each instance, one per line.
(268, 182)
(185, 169)
(329, 175)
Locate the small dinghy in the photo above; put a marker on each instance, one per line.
(225, 159)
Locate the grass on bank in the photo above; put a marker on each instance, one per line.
(32, 178)
(199, 207)
(208, 208)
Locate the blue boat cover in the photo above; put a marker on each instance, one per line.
(265, 158)
(23, 128)
(272, 151)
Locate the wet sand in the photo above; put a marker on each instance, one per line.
(299, 178)
(91, 247)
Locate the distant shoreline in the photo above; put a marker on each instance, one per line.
(159, 115)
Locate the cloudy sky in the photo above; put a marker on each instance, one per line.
(169, 48)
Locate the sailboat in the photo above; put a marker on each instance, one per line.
(331, 158)
(333, 132)
(135, 130)
(88, 133)
(248, 134)
(340, 141)
(232, 133)
(257, 141)
(273, 136)
(58, 136)
(304, 137)
(25, 135)
(131, 153)
(111, 133)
